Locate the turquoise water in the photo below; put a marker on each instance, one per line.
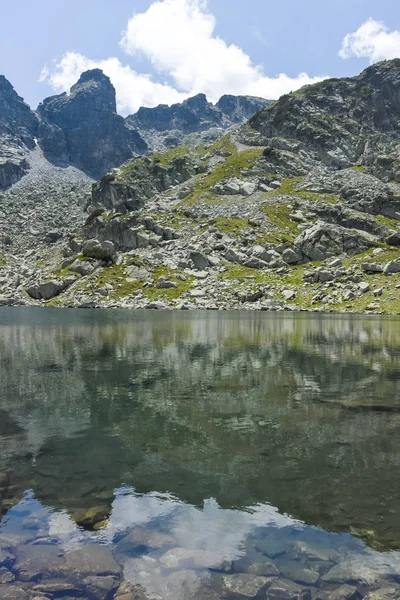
(198, 454)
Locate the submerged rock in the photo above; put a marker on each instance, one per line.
(245, 584)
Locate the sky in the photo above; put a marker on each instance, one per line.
(162, 51)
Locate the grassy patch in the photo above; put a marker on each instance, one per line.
(3, 260)
(232, 166)
(288, 187)
(359, 168)
(233, 225)
(154, 293)
(165, 158)
(294, 279)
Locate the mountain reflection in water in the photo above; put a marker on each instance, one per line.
(219, 430)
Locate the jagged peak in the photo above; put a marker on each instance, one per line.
(93, 76)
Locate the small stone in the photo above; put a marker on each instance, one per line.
(164, 283)
(6, 576)
(287, 590)
(296, 571)
(378, 291)
(266, 569)
(364, 287)
(345, 592)
(272, 547)
(244, 584)
(100, 587)
(289, 295)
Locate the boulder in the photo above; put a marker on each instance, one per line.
(83, 267)
(164, 283)
(49, 289)
(99, 250)
(244, 584)
(323, 240)
(292, 256)
(199, 260)
(372, 267)
(392, 267)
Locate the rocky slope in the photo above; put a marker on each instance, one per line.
(297, 209)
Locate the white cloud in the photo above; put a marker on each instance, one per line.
(373, 40)
(133, 89)
(177, 38)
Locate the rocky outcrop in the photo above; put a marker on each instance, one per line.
(341, 121)
(84, 129)
(138, 180)
(324, 240)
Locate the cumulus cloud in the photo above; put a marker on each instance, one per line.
(177, 38)
(373, 40)
(133, 89)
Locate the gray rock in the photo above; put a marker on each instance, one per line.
(255, 263)
(288, 295)
(364, 287)
(287, 590)
(266, 569)
(292, 256)
(199, 260)
(372, 267)
(83, 267)
(245, 584)
(92, 560)
(164, 283)
(387, 593)
(36, 561)
(351, 571)
(323, 240)
(345, 592)
(393, 239)
(48, 289)
(6, 576)
(100, 587)
(272, 547)
(297, 571)
(101, 251)
(232, 256)
(392, 267)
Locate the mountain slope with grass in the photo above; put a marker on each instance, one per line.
(299, 208)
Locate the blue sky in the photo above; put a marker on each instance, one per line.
(174, 48)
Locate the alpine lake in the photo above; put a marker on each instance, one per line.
(197, 455)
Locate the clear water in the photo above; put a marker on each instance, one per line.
(187, 452)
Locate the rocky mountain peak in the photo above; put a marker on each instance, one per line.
(97, 90)
(83, 129)
(15, 114)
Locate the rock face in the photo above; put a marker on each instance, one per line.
(18, 127)
(342, 121)
(82, 128)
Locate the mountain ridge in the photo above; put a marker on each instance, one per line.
(82, 128)
(298, 208)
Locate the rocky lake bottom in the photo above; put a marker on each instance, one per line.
(198, 455)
